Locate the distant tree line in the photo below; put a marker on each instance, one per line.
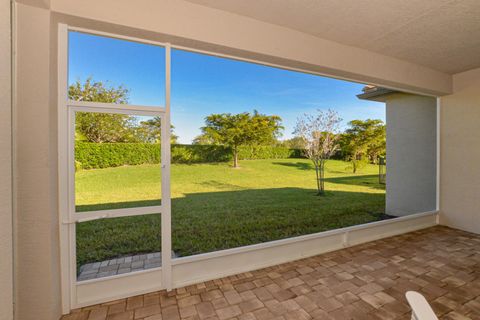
(111, 127)
(362, 142)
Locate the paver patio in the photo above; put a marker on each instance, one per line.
(121, 265)
(368, 281)
(118, 266)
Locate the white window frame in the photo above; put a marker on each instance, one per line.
(76, 294)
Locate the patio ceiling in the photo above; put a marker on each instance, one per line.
(441, 34)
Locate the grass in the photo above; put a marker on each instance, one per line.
(217, 207)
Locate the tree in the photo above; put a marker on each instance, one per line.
(109, 127)
(98, 92)
(378, 142)
(150, 131)
(293, 143)
(235, 130)
(364, 140)
(101, 127)
(319, 133)
(203, 139)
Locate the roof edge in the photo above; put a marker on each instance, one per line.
(374, 93)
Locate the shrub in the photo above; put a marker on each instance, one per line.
(78, 166)
(195, 153)
(266, 152)
(105, 155)
(90, 155)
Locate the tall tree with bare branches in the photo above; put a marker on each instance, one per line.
(319, 133)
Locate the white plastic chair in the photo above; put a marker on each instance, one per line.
(421, 310)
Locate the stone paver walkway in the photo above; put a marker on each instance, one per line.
(121, 265)
(368, 281)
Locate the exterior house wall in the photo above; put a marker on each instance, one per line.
(6, 226)
(460, 154)
(411, 154)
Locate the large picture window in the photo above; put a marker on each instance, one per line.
(258, 165)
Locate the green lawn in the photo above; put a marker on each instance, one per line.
(216, 207)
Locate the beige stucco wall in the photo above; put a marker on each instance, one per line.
(460, 154)
(37, 242)
(6, 252)
(411, 154)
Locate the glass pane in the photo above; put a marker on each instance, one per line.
(109, 247)
(103, 69)
(272, 192)
(117, 161)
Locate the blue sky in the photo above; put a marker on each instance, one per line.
(203, 84)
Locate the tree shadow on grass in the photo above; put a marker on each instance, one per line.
(211, 221)
(370, 180)
(298, 165)
(220, 185)
(305, 166)
(118, 205)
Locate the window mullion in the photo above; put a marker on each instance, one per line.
(166, 226)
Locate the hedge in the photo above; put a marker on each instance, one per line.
(195, 153)
(105, 155)
(267, 152)
(90, 155)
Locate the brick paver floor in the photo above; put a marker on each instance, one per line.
(120, 265)
(368, 281)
